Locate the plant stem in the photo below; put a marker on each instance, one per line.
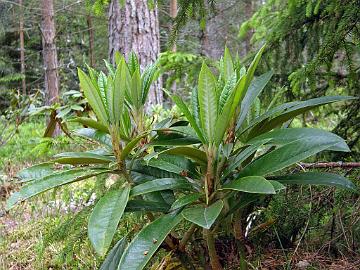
(186, 237)
(210, 241)
(239, 236)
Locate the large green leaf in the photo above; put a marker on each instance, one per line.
(227, 65)
(251, 184)
(172, 163)
(279, 115)
(36, 172)
(287, 155)
(141, 173)
(190, 152)
(235, 162)
(93, 96)
(255, 88)
(50, 181)
(227, 91)
(286, 135)
(316, 178)
(251, 70)
(203, 216)
(113, 258)
(160, 184)
(147, 241)
(136, 94)
(82, 158)
(90, 123)
(185, 200)
(131, 145)
(223, 120)
(95, 135)
(145, 205)
(119, 89)
(207, 101)
(184, 109)
(105, 218)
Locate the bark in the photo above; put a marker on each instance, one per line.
(22, 46)
(135, 27)
(173, 14)
(50, 54)
(91, 40)
(249, 10)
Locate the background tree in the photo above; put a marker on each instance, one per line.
(135, 27)
(313, 46)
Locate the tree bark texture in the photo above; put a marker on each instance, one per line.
(50, 56)
(49, 52)
(22, 46)
(135, 27)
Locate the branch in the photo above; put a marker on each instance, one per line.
(338, 164)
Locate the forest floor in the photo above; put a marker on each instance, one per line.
(24, 229)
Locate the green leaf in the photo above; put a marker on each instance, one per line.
(286, 135)
(82, 158)
(50, 181)
(236, 161)
(36, 172)
(287, 155)
(277, 185)
(223, 120)
(228, 65)
(185, 200)
(203, 216)
(93, 96)
(160, 184)
(207, 101)
(227, 92)
(170, 163)
(251, 184)
(281, 114)
(316, 178)
(113, 258)
(184, 109)
(90, 123)
(147, 241)
(119, 89)
(105, 218)
(251, 70)
(149, 75)
(136, 89)
(190, 152)
(131, 145)
(145, 205)
(255, 88)
(95, 135)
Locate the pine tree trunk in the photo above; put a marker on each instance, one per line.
(173, 14)
(50, 54)
(248, 13)
(22, 46)
(135, 27)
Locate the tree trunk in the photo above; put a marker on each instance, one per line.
(50, 54)
(22, 47)
(173, 14)
(249, 11)
(135, 27)
(91, 40)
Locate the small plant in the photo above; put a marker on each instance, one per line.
(207, 170)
